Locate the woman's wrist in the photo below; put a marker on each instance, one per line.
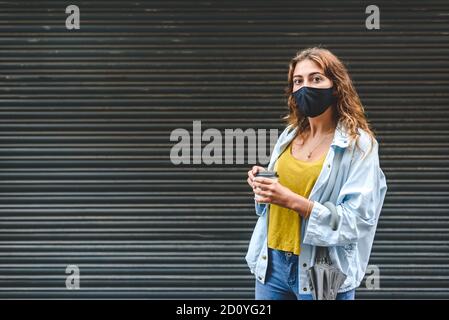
(301, 205)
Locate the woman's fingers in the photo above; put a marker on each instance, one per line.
(263, 193)
(264, 200)
(250, 182)
(250, 174)
(254, 170)
(263, 181)
(257, 169)
(263, 196)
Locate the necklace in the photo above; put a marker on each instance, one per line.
(310, 152)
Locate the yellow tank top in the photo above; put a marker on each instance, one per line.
(284, 225)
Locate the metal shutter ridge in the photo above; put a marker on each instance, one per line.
(85, 123)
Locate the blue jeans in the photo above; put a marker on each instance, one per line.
(281, 281)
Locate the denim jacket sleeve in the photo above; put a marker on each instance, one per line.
(358, 206)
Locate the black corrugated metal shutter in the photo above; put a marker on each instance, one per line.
(86, 116)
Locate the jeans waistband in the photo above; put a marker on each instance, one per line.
(287, 254)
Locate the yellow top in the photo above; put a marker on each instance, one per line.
(284, 225)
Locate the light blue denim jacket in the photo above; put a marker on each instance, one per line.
(348, 197)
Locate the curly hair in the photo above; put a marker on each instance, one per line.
(348, 109)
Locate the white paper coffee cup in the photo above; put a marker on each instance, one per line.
(265, 174)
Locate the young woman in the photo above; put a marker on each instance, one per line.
(330, 189)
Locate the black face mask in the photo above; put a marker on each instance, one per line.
(312, 102)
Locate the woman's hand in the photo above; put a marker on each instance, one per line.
(251, 173)
(271, 191)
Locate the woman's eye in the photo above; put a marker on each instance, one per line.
(317, 79)
(297, 81)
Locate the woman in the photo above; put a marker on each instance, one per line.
(330, 189)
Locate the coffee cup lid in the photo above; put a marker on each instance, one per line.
(267, 174)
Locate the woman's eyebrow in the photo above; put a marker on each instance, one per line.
(310, 74)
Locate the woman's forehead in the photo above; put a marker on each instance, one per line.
(306, 67)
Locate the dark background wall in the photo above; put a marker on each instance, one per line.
(86, 116)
